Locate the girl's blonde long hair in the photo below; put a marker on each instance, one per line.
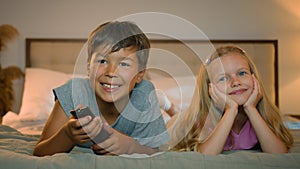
(189, 130)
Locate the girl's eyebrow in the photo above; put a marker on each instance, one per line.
(244, 68)
(220, 75)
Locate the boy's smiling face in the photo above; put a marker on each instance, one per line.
(113, 76)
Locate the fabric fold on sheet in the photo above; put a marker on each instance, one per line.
(16, 152)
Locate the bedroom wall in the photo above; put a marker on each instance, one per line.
(231, 19)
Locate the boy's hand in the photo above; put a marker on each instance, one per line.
(81, 130)
(116, 144)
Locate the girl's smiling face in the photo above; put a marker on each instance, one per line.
(232, 76)
(113, 76)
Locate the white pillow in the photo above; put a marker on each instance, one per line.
(179, 90)
(38, 98)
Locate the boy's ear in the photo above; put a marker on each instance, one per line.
(88, 68)
(140, 75)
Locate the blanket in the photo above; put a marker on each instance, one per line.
(16, 152)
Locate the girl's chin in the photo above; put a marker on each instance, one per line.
(240, 101)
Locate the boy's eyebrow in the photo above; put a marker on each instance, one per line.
(100, 55)
(127, 58)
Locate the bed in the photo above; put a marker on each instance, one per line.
(172, 68)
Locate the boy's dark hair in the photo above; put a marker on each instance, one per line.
(113, 36)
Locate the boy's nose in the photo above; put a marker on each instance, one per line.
(111, 70)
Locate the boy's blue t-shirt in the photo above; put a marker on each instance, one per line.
(141, 118)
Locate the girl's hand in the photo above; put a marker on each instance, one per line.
(116, 144)
(81, 130)
(255, 96)
(221, 100)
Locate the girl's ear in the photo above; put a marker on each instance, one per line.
(140, 76)
(210, 89)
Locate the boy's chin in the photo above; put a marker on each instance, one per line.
(107, 100)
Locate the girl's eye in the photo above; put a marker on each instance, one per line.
(222, 79)
(243, 73)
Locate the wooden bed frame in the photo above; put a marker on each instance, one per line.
(61, 55)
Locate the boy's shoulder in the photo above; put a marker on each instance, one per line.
(142, 91)
(145, 84)
(143, 99)
(73, 84)
(76, 81)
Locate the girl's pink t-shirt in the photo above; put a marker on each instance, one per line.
(246, 139)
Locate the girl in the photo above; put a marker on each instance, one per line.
(230, 110)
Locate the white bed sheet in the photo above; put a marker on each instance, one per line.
(13, 120)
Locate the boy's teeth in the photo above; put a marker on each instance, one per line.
(110, 86)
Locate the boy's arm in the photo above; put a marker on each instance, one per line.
(149, 127)
(54, 138)
(61, 133)
(119, 143)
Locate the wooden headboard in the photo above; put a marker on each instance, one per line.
(167, 57)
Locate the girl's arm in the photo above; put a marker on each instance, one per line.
(214, 144)
(61, 134)
(269, 142)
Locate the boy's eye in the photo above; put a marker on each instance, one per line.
(124, 64)
(102, 61)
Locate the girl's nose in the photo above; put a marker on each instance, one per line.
(235, 81)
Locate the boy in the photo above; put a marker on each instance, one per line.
(125, 105)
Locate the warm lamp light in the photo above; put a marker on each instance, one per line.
(291, 5)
